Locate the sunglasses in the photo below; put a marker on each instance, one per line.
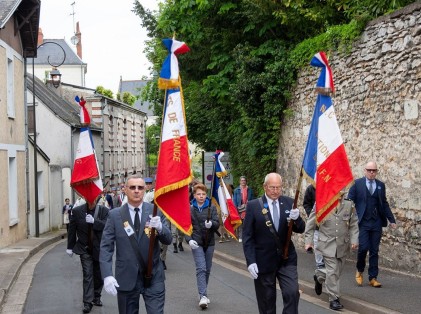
(138, 187)
(371, 170)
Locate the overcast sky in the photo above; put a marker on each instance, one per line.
(112, 37)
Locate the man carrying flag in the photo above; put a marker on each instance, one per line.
(222, 199)
(88, 220)
(326, 165)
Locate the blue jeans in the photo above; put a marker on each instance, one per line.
(203, 261)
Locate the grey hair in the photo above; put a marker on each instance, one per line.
(271, 174)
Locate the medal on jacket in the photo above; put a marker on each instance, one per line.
(128, 228)
(148, 229)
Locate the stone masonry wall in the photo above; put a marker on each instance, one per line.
(377, 104)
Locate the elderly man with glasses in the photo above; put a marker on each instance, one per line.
(369, 196)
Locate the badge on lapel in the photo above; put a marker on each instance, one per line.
(128, 228)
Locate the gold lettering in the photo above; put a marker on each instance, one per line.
(322, 148)
(177, 149)
(172, 117)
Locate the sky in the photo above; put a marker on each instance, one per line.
(112, 37)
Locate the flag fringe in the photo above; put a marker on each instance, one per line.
(168, 83)
(172, 187)
(188, 232)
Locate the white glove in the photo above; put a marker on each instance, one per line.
(294, 213)
(89, 219)
(69, 252)
(253, 270)
(208, 224)
(193, 244)
(156, 223)
(109, 285)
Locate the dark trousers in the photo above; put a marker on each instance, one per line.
(154, 298)
(265, 286)
(370, 233)
(92, 280)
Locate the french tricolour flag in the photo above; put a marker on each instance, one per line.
(169, 77)
(325, 161)
(326, 78)
(222, 199)
(86, 179)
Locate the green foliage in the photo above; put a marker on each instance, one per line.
(243, 63)
(106, 92)
(153, 140)
(128, 98)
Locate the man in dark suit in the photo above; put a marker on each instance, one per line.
(85, 231)
(129, 228)
(265, 231)
(369, 196)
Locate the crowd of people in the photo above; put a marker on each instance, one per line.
(120, 223)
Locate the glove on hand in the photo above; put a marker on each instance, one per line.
(156, 223)
(253, 270)
(193, 244)
(294, 213)
(208, 224)
(89, 219)
(69, 252)
(110, 285)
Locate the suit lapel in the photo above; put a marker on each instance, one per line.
(145, 216)
(125, 215)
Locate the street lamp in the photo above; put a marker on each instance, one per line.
(56, 79)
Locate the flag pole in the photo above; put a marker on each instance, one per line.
(209, 208)
(291, 222)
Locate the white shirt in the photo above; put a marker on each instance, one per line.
(270, 204)
(133, 213)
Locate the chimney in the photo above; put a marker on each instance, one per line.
(40, 37)
(79, 43)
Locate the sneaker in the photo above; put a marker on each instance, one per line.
(203, 303)
(208, 300)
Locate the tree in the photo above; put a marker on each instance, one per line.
(106, 92)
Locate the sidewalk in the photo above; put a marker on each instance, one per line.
(13, 257)
(400, 292)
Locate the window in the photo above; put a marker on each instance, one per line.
(10, 88)
(13, 191)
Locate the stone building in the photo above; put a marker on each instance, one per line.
(377, 105)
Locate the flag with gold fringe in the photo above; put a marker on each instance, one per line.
(174, 165)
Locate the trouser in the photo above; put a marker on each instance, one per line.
(331, 275)
(177, 235)
(203, 261)
(153, 296)
(370, 233)
(317, 255)
(92, 280)
(265, 286)
(164, 249)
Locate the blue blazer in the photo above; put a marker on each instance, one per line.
(126, 264)
(237, 196)
(258, 241)
(358, 194)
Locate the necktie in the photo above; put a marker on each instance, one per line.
(136, 221)
(275, 215)
(371, 187)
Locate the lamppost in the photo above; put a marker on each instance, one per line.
(55, 76)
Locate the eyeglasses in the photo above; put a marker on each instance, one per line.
(371, 170)
(134, 187)
(273, 188)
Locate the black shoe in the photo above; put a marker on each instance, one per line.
(180, 247)
(175, 248)
(87, 307)
(165, 266)
(336, 305)
(97, 302)
(317, 286)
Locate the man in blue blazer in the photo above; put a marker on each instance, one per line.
(128, 228)
(369, 196)
(265, 231)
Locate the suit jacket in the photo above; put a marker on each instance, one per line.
(127, 266)
(258, 241)
(358, 194)
(70, 209)
(78, 235)
(336, 232)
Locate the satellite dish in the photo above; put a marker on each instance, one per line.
(74, 40)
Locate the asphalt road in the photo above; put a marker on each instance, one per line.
(57, 288)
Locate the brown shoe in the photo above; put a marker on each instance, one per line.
(359, 278)
(374, 283)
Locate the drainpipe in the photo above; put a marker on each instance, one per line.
(28, 194)
(72, 152)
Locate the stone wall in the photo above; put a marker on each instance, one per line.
(377, 104)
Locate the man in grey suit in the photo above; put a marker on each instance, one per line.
(336, 232)
(129, 228)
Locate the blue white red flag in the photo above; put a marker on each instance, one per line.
(86, 178)
(85, 119)
(174, 165)
(326, 78)
(325, 162)
(169, 77)
(222, 199)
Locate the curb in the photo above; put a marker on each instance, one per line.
(13, 271)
